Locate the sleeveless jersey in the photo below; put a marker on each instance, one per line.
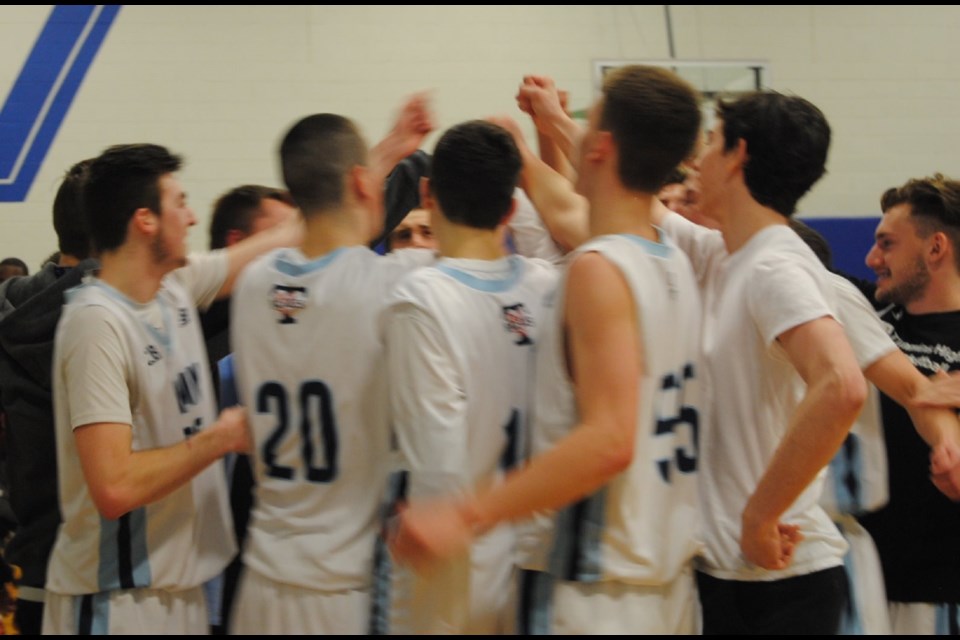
(642, 527)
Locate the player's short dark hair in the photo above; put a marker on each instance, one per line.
(475, 169)
(238, 209)
(654, 117)
(787, 142)
(316, 154)
(122, 179)
(69, 219)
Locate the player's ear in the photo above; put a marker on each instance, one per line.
(145, 221)
(233, 237)
(510, 212)
(427, 201)
(600, 147)
(937, 247)
(361, 183)
(740, 154)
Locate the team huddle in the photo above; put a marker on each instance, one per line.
(582, 413)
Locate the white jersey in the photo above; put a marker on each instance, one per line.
(857, 475)
(770, 285)
(308, 364)
(461, 339)
(119, 361)
(643, 527)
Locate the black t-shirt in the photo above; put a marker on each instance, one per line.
(918, 532)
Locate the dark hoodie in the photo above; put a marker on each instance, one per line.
(30, 308)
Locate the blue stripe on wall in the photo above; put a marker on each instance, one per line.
(45, 89)
(850, 239)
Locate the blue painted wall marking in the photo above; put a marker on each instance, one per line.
(45, 89)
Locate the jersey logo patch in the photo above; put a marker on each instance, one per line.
(288, 302)
(516, 320)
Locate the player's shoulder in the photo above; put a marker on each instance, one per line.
(421, 282)
(538, 267)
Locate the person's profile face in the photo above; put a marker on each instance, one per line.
(176, 218)
(897, 258)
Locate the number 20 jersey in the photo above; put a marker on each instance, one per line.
(643, 526)
(308, 362)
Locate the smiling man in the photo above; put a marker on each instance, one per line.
(917, 263)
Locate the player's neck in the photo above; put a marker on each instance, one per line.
(329, 232)
(458, 241)
(136, 276)
(942, 294)
(741, 217)
(619, 211)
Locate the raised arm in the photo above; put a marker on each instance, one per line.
(414, 122)
(538, 96)
(564, 212)
(834, 395)
(550, 152)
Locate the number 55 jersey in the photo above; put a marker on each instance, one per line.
(642, 528)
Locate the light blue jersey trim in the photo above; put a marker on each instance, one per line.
(98, 622)
(494, 285)
(659, 249)
(851, 620)
(577, 553)
(284, 265)
(164, 337)
(947, 619)
(124, 562)
(846, 468)
(535, 603)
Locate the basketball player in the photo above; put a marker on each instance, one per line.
(785, 382)
(307, 358)
(770, 310)
(145, 516)
(460, 339)
(616, 392)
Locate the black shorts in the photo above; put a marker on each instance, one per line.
(810, 604)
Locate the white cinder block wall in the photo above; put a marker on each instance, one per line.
(219, 84)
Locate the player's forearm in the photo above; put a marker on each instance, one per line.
(576, 467)
(553, 157)
(239, 255)
(818, 428)
(564, 132)
(898, 378)
(935, 426)
(388, 153)
(143, 477)
(563, 211)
